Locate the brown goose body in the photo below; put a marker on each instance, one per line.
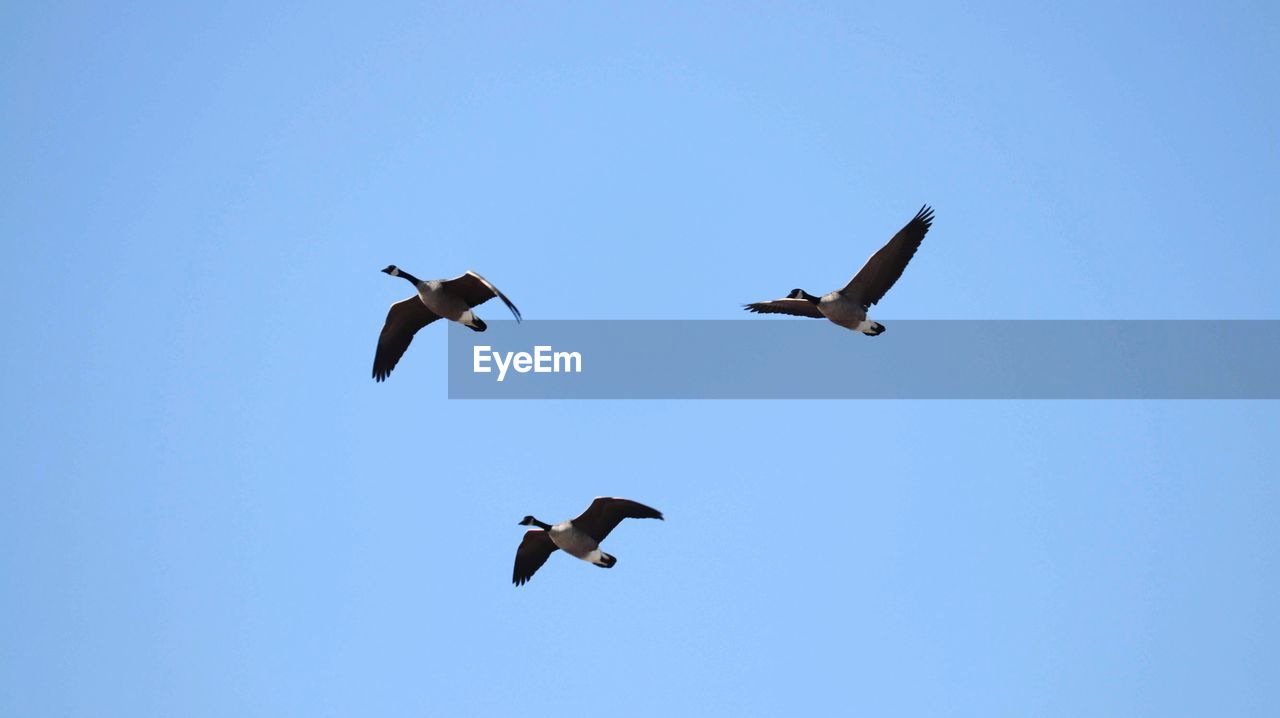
(848, 306)
(451, 299)
(578, 537)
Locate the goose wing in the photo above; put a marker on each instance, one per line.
(605, 513)
(885, 266)
(794, 307)
(535, 548)
(404, 319)
(476, 290)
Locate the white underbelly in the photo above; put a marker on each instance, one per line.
(843, 312)
(443, 305)
(575, 543)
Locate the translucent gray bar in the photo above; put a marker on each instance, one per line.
(811, 359)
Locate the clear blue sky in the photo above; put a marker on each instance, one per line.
(209, 509)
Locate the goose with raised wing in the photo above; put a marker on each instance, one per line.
(453, 299)
(848, 307)
(578, 537)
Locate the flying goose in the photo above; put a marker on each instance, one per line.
(448, 298)
(579, 537)
(848, 307)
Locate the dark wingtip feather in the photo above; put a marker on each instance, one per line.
(656, 514)
(515, 312)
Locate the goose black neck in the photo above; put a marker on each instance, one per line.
(539, 524)
(801, 294)
(412, 279)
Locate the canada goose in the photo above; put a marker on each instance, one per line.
(848, 307)
(579, 537)
(448, 298)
